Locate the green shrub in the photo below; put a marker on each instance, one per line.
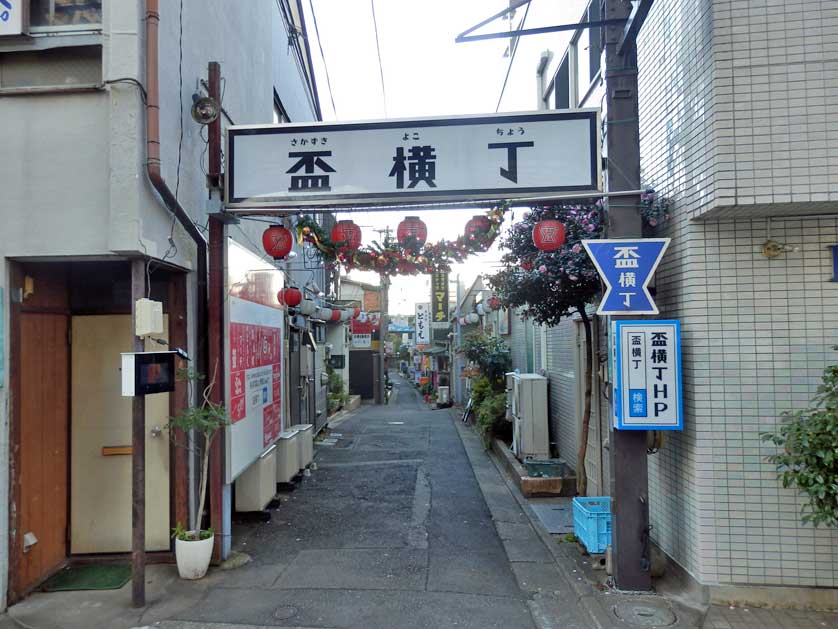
(808, 458)
(480, 390)
(490, 413)
(490, 354)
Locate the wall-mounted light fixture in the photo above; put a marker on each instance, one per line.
(772, 249)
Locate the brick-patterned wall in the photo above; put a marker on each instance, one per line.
(729, 107)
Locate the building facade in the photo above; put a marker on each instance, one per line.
(737, 128)
(90, 213)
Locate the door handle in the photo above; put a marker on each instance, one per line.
(155, 432)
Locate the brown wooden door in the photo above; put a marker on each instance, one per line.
(44, 413)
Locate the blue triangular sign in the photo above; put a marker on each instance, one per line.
(626, 266)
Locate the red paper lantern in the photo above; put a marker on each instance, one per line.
(478, 225)
(494, 303)
(412, 231)
(356, 312)
(277, 241)
(548, 235)
(348, 233)
(290, 296)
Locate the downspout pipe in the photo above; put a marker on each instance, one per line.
(153, 167)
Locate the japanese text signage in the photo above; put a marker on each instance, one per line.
(439, 298)
(626, 266)
(11, 17)
(648, 365)
(469, 157)
(361, 334)
(423, 324)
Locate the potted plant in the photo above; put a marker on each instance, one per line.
(193, 546)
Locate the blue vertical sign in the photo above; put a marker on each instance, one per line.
(647, 362)
(626, 266)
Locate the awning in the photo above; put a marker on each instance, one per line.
(435, 351)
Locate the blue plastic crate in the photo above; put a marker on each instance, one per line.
(592, 522)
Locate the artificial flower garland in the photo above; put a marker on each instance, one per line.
(395, 258)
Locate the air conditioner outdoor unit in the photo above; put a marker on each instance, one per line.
(528, 406)
(288, 456)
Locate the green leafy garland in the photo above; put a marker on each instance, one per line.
(394, 258)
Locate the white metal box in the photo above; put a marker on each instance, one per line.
(305, 440)
(528, 406)
(257, 484)
(149, 317)
(288, 456)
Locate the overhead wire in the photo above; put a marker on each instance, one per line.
(511, 59)
(323, 57)
(378, 50)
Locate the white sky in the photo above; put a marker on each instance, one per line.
(427, 74)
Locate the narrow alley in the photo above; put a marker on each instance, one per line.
(391, 530)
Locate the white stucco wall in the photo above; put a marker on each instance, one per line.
(74, 180)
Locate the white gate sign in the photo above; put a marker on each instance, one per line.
(648, 365)
(11, 17)
(428, 159)
(423, 324)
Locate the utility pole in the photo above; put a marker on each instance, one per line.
(629, 467)
(138, 291)
(384, 322)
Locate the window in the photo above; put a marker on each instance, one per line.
(68, 14)
(596, 35)
(280, 115)
(562, 81)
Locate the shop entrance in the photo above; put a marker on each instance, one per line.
(70, 426)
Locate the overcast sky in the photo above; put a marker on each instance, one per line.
(426, 74)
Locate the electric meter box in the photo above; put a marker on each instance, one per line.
(144, 373)
(149, 317)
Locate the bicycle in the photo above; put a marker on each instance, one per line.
(467, 410)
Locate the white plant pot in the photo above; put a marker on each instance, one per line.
(193, 558)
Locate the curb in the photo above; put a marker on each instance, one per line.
(596, 605)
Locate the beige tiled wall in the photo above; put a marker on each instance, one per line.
(737, 123)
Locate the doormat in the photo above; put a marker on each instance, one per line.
(89, 577)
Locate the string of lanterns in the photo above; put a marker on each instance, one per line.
(409, 254)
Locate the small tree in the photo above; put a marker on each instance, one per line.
(549, 286)
(809, 456)
(490, 354)
(205, 420)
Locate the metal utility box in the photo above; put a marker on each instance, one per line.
(305, 441)
(528, 406)
(288, 456)
(257, 484)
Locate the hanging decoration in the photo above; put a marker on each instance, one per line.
(476, 231)
(346, 235)
(548, 235)
(290, 296)
(277, 241)
(412, 233)
(409, 254)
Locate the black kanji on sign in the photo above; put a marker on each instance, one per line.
(511, 170)
(309, 160)
(420, 164)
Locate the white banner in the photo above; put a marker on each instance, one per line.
(423, 324)
(468, 157)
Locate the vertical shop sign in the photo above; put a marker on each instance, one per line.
(11, 17)
(423, 324)
(439, 298)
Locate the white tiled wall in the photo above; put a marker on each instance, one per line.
(737, 121)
